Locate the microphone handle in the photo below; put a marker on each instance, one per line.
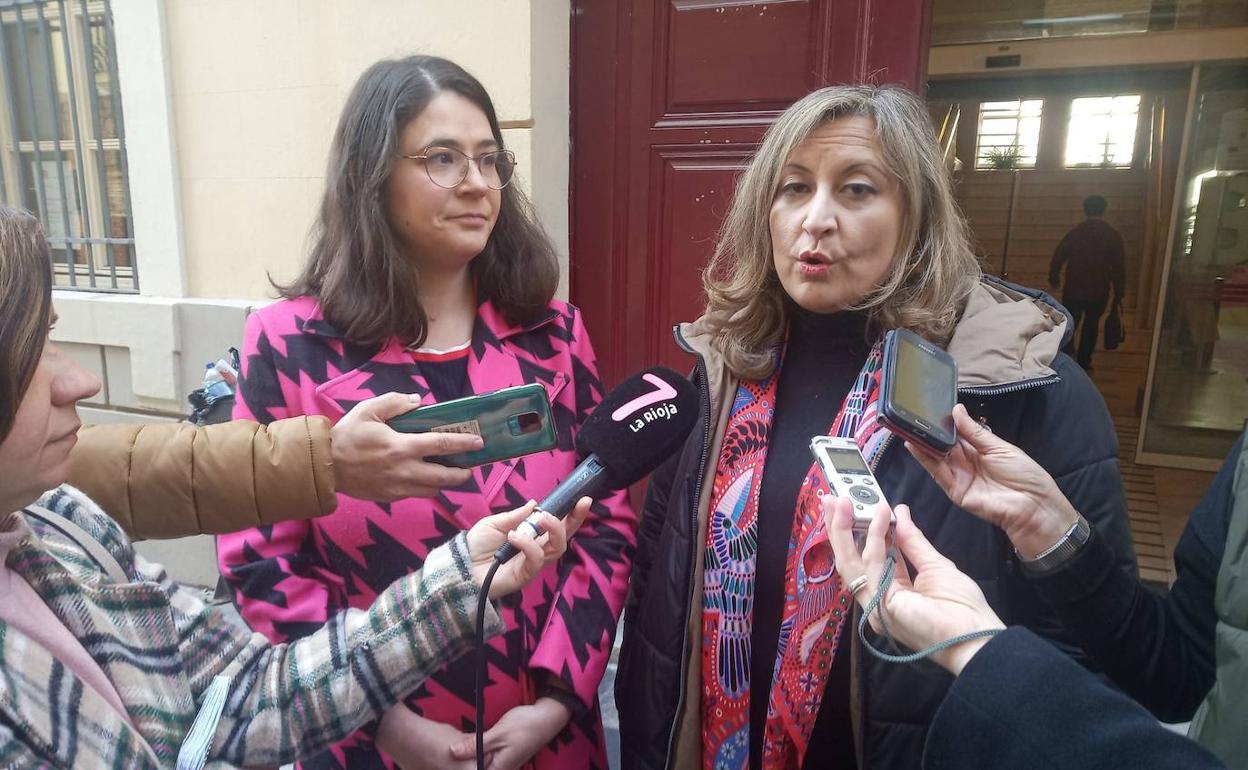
(584, 480)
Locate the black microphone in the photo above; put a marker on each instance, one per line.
(632, 431)
(635, 428)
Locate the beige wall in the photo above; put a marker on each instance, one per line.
(229, 109)
(256, 88)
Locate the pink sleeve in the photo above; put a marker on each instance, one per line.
(274, 573)
(575, 644)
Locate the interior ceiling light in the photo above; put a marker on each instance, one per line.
(1088, 19)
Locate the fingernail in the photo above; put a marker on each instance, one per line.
(413, 397)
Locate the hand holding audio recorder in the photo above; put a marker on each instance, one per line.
(850, 477)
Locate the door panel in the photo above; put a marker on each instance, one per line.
(669, 100)
(694, 189)
(724, 54)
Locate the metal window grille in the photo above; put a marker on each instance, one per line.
(1009, 124)
(1101, 131)
(62, 143)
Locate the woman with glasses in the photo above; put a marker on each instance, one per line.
(429, 275)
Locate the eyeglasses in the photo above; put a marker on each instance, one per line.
(448, 167)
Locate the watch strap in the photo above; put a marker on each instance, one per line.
(1053, 557)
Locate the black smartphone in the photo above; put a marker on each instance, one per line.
(512, 422)
(918, 389)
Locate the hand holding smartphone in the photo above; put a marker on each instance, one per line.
(511, 422)
(918, 389)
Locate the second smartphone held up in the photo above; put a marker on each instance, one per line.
(511, 422)
(918, 389)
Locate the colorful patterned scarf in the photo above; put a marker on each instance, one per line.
(815, 603)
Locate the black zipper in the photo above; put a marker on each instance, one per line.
(700, 368)
(987, 390)
(1013, 387)
(879, 456)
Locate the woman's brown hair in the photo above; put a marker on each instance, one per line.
(358, 270)
(933, 271)
(25, 307)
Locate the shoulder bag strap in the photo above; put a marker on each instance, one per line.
(198, 741)
(98, 553)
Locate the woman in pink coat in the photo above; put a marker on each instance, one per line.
(430, 276)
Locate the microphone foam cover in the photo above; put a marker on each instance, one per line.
(640, 424)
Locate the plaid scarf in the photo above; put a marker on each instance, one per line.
(815, 602)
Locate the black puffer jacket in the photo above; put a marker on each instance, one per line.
(1010, 375)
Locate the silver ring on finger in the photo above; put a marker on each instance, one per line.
(857, 584)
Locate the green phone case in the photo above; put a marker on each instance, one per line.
(513, 422)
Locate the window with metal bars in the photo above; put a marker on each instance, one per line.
(62, 141)
(1102, 130)
(1008, 134)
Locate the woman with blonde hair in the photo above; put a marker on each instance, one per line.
(735, 646)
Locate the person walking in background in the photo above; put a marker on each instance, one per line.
(1093, 256)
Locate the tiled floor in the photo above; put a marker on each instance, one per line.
(1158, 499)
(1140, 485)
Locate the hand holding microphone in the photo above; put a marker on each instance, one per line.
(631, 432)
(492, 532)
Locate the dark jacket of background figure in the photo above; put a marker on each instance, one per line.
(1021, 704)
(1163, 650)
(1059, 419)
(1092, 254)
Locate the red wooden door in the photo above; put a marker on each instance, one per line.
(669, 100)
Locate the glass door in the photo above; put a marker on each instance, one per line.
(1196, 399)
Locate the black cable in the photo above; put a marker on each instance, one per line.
(483, 600)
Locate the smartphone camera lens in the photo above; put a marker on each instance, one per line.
(528, 422)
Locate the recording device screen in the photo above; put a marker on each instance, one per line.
(845, 460)
(919, 392)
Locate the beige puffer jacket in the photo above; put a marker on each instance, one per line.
(175, 479)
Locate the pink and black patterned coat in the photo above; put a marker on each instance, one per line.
(287, 578)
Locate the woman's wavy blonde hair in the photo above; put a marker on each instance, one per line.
(931, 276)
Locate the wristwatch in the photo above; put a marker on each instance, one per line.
(1060, 552)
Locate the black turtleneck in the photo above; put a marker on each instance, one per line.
(822, 359)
